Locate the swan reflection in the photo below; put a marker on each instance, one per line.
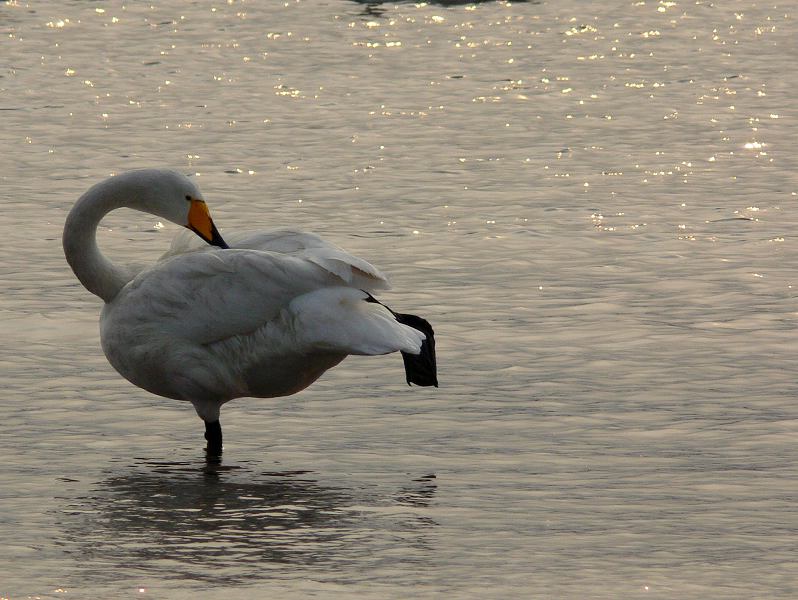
(218, 522)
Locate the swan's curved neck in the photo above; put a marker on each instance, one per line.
(98, 274)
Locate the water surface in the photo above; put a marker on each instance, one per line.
(593, 203)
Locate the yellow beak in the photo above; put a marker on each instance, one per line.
(200, 222)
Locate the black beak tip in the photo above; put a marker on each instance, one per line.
(217, 239)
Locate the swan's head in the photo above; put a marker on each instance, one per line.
(167, 194)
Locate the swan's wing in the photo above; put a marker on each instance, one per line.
(273, 299)
(351, 270)
(205, 297)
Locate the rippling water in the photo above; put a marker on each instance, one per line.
(593, 203)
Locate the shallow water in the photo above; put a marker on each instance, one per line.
(593, 203)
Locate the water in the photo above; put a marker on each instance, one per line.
(593, 203)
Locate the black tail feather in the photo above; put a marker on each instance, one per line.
(421, 368)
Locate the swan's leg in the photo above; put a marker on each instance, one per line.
(420, 368)
(213, 433)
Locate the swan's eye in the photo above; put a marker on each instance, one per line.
(188, 197)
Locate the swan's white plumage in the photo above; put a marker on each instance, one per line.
(264, 318)
(338, 319)
(351, 269)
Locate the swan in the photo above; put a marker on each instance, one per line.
(207, 323)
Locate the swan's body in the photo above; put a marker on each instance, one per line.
(264, 318)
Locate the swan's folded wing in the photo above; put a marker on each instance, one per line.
(206, 297)
(351, 270)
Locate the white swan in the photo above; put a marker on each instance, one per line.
(209, 323)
